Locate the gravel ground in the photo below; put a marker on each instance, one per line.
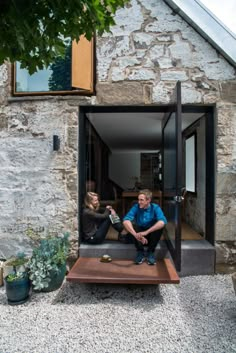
(198, 315)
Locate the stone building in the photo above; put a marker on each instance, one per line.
(116, 121)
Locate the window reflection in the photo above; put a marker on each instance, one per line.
(55, 78)
(190, 163)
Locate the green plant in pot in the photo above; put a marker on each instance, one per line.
(47, 266)
(17, 281)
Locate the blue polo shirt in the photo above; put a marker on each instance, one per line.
(145, 217)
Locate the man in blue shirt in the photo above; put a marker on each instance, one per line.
(145, 221)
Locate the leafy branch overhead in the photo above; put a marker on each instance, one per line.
(34, 31)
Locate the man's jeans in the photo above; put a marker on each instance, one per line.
(152, 238)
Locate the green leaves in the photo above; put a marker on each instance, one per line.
(48, 256)
(33, 31)
(11, 277)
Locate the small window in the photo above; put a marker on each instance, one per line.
(69, 75)
(190, 163)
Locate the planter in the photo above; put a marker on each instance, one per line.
(17, 291)
(1, 273)
(57, 278)
(234, 281)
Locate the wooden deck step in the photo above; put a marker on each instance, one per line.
(92, 270)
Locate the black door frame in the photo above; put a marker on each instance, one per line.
(209, 110)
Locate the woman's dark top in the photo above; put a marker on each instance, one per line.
(91, 220)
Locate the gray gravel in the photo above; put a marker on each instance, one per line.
(198, 315)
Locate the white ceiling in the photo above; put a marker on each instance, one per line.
(133, 131)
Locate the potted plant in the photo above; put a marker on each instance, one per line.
(47, 266)
(17, 280)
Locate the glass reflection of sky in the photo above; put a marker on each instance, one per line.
(38, 82)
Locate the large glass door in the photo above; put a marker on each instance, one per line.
(172, 175)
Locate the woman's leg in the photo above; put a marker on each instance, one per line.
(101, 233)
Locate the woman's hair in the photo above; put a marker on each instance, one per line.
(88, 200)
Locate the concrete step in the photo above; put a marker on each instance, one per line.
(198, 256)
(118, 250)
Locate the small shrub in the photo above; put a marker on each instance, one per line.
(48, 256)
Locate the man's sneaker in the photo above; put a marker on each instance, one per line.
(151, 258)
(139, 258)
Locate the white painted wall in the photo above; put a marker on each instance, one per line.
(123, 167)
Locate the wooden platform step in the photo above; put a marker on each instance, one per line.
(92, 270)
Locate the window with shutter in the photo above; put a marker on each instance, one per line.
(73, 74)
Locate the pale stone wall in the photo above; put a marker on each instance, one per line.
(149, 50)
(137, 63)
(38, 186)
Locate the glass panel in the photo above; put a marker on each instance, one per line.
(170, 154)
(190, 166)
(170, 175)
(55, 78)
(150, 169)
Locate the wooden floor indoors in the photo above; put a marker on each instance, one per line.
(92, 270)
(188, 233)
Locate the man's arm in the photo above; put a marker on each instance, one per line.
(129, 227)
(127, 220)
(157, 226)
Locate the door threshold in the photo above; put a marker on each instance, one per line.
(92, 270)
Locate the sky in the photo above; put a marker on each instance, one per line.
(225, 10)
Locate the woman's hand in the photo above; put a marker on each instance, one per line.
(113, 212)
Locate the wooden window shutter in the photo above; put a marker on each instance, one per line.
(82, 64)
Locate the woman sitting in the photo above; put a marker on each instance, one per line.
(96, 220)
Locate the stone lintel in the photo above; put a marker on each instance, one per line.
(121, 93)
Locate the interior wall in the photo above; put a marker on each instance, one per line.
(124, 168)
(195, 203)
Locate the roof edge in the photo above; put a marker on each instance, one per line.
(207, 25)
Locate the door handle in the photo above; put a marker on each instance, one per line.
(178, 198)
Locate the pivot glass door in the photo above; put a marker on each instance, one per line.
(172, 175)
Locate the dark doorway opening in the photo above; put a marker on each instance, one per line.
(110, 137)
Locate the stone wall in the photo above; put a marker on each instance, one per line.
(38, 185)
(139, 62)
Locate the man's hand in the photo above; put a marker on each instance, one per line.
(141, 237)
